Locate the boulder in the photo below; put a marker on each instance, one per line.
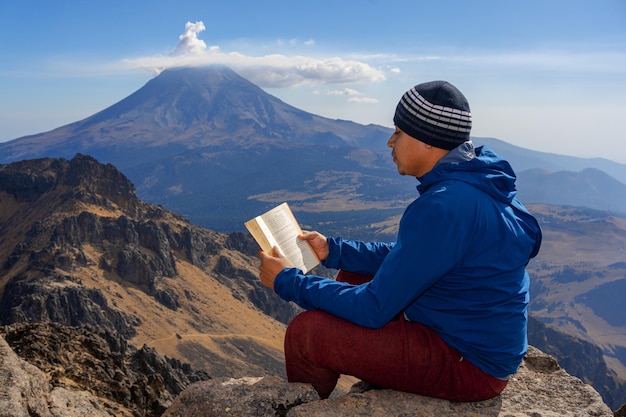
(540, 389)
(248, 396)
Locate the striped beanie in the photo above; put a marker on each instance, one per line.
(435, 113)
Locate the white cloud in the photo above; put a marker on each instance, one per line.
(344, 92)
(268, 71)
(367, 100)
(188, 42)
(353, 96)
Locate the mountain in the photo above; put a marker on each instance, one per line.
(525, 159)
(116, 304)
(208, 144)
(588, 188)
(202, 142)
(79, 248)
(564, 180)
(579, 277)
(185, 109)
(89, 272)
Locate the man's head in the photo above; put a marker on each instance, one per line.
(436, 113)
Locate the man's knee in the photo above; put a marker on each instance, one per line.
(309, 332)
(304, 324)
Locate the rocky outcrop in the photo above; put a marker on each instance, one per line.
(85, 177)
(61, 300)
(61, 208)
(580, 358)
(540, 389)
(54, 370)
(247, 396)
(26, 391)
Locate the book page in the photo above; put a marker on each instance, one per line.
(279, 227)
(261, 234)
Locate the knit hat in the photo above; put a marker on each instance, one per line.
(435, 113)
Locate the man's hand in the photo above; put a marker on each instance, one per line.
(318, 243)
(271, 265)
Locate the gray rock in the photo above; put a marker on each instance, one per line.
(262, 396)
(51, 370)
(26, 391)
(540, 389)
(23, 387)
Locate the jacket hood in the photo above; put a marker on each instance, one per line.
(487, 172)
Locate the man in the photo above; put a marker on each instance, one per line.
(445, 313)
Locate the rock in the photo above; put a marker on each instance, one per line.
(78, 403)
(580, 358)
(26, 184)
(84, 371)
(60, 299)
(263, 396)
(26, 391)
(22, 386)
(540, 389)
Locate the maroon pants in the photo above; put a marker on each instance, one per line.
(402, 355)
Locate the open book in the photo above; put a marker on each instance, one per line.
(278, 227)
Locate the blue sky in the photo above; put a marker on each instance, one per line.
(544, 75)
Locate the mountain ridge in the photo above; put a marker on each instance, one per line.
(95, 254)
(192, 123)
(525, 159)
(589, 188)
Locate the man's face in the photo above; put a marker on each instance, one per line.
(409, 154)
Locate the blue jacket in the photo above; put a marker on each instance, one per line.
(458, 265)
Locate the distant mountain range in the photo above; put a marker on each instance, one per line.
(209, 144)
(524, 159)
(564, 180)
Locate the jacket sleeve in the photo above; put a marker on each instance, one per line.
(429, 244)
(358, 257)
